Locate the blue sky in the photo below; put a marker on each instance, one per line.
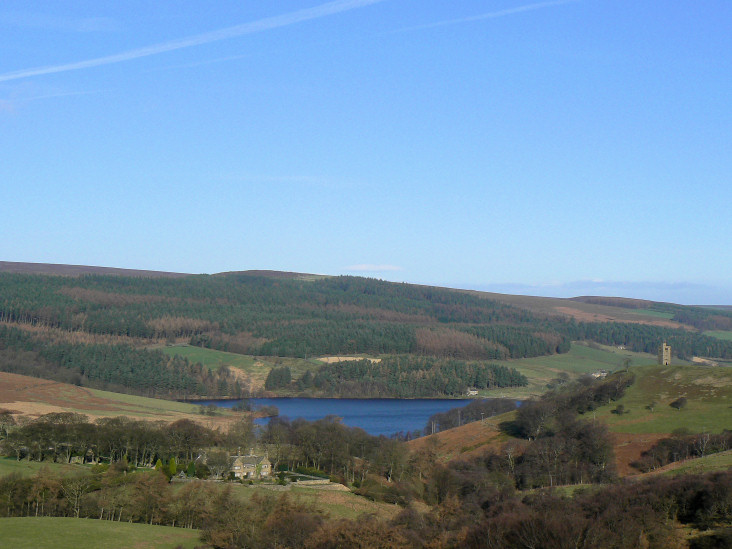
(552, 148)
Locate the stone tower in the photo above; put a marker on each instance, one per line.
(664, 354)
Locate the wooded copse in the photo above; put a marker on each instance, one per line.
(408, 376)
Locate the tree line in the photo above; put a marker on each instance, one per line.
(476, 410)
(683, 445)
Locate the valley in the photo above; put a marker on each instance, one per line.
(92, 361)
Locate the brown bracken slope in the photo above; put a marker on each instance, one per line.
(32, 397)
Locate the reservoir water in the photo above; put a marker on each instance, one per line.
(376, 416)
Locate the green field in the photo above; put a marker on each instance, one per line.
(581, 359)
(720, 334)
(71, 533)
(210, 357)
(143, 405)
(652, 313)
(708, 391)
(707, 464)
(27, 468)
(256, 368)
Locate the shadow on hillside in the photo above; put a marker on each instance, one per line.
(510, 428)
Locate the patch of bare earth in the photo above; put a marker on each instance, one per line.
(246, 381)
(629, 447)
(336, 359)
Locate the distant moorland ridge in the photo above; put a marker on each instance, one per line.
(79, 270)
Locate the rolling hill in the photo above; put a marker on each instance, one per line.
(113, 329)
(647, 418)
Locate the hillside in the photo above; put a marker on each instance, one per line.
(110, 329)
(33, 397)
(647, 403)
(647, 417)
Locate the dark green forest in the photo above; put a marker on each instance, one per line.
(405, 376)
(97, 330)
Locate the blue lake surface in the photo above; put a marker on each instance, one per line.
(376, 416)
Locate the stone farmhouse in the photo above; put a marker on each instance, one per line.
(250, 466)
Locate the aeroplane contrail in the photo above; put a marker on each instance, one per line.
(260, 25)
(495, 14)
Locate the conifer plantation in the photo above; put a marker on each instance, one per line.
(102, 330)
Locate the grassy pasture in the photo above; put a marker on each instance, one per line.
(720, 334)
(210, 357)
(255, 368)
(708, 391)
(144, 406)
(652, 313)
(707, 464)
(581, 359)
(335, 503)
(71, 533)
(25, 468)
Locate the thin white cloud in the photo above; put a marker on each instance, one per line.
(195, 64)
(24, 93)
(59, 94)
(260, 25)
(371, 268)
(44, 21)
(495, 14)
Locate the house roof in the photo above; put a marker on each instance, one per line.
(248, 460)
